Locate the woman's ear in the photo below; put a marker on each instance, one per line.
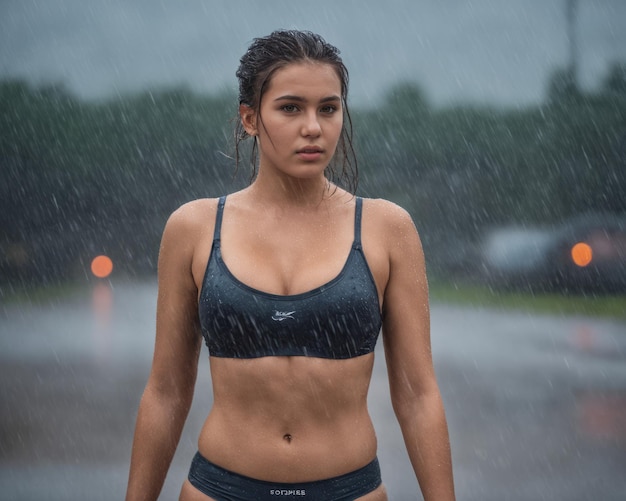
(248, 119)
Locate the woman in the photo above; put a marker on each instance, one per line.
(289, 282)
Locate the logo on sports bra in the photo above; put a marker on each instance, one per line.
(279, 316)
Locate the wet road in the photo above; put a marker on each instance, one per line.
(536, 404)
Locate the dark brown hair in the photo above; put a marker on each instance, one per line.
(257, 66)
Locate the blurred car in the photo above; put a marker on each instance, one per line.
(583, 254)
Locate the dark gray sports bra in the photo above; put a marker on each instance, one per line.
(340, 319)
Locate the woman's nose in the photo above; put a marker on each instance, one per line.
(311, 126)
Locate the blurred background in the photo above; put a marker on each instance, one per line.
(500, 126)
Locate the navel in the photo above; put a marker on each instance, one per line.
(288, 437)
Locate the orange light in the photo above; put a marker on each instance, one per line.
(101, 266)
(582, 254)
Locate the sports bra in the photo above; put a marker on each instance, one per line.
(340, 319)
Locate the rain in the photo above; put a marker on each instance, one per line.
(499, 126)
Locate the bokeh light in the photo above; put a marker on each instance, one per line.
(582, 254)
(101, 266)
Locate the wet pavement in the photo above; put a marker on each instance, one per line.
(536, 404)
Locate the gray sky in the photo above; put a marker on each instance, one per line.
(495, 51)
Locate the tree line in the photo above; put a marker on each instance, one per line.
(82, 178)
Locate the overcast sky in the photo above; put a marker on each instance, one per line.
(495, 51)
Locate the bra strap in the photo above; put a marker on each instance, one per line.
(357, 222)
(218, 219)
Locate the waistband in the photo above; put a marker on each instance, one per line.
(225, 485)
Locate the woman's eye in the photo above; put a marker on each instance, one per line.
(290, 108)
(329, 109)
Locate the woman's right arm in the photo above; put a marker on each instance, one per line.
(168, 394)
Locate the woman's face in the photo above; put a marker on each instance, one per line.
(300, 120)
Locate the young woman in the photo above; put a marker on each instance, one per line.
(289, 282)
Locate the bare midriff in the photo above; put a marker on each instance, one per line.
(289, 419)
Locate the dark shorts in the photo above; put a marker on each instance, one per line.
(224, 485)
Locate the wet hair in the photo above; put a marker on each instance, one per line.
(268, 54)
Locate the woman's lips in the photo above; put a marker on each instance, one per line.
(310, 154)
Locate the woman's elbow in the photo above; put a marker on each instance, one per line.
(409, 405)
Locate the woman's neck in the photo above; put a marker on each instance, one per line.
(291, 192)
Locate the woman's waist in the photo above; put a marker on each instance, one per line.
(310, 408)
(288, 450)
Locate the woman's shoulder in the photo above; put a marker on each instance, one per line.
(394, 228)
(192, 215)
(387, 214)
(194, 211)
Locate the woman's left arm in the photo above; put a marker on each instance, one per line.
(415, 393)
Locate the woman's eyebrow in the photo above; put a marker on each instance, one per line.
(301, 99)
